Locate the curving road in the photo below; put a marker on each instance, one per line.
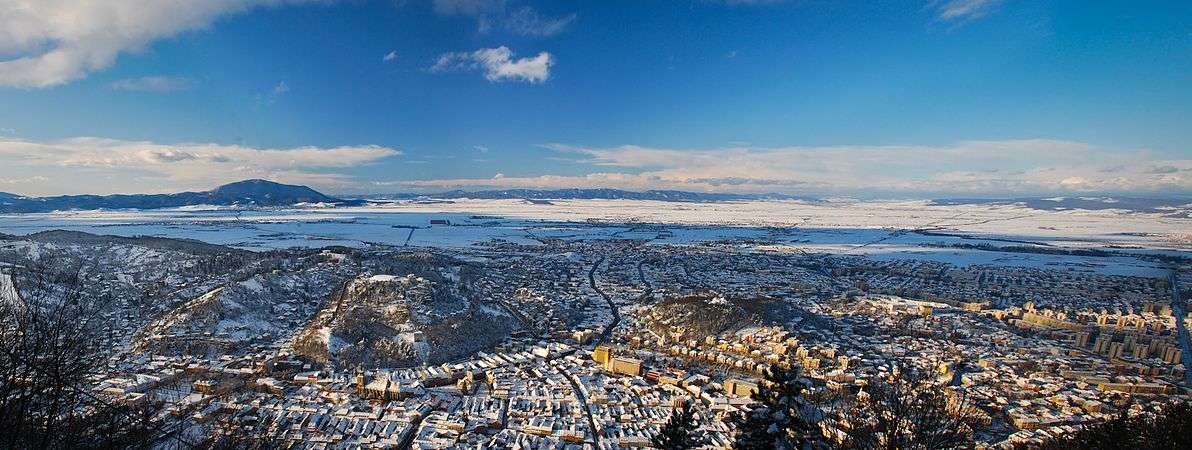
(583, 401)
(604, 335)
(641, 275)
(612, 306)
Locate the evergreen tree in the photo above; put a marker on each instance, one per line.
(910, 411)
(1168, 428)
(775, 421)
(679, 431)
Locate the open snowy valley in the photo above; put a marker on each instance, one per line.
(374, 321)
(1113, 241)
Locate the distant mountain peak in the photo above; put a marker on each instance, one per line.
(254, 183)
(249, 182)
(257, 189)
(255, 192)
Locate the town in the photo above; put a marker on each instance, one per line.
(593, 343)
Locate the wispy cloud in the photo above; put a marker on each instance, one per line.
(1011, 167)
(98, 165)
(20, 182)
(56, 42)
(494, 15)
(272, 95)
(964, 10)
(152, 84)
(748, 2)
(392, 55)
(528, 22)
(468, 7)
(497, 64)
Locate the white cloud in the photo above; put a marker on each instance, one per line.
(392, 55)
(152, 84)
(98, 165)
(964, 10)
(52, 42)
(1013, 167)
(498, 64)
(496, 14)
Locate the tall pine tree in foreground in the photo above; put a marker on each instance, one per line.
(1168, 428)
(908, 411)
(774, 422)
(679, 432)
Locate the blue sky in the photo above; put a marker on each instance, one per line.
(897, 98)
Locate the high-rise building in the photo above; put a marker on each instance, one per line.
(1116, 349)
(1141, 350)
(1101, 345)
(1081, 339)
(1172, 355)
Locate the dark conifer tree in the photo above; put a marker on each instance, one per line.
(679, 432)
(909, 411)
(1169, 428)
(776, 421)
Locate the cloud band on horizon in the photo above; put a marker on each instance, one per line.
(1007, 167)
(978, 168)
(94, 165)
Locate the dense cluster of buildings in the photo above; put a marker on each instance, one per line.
(613, 335)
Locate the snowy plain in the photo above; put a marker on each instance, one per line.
(875, 229)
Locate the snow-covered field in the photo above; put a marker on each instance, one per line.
(877, 229)
(8, 292)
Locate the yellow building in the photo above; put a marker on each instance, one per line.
(602, 354)
(625, 366)
(973, 306)
(739, 388)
